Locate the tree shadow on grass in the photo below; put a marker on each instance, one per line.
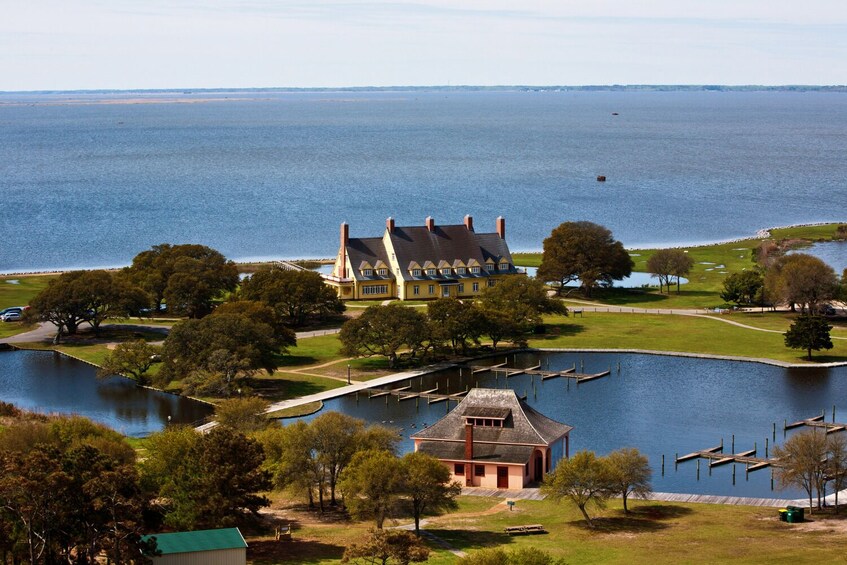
(554, 331)
(293, 551)
(281, 388)
(643, 519)
(469, 540)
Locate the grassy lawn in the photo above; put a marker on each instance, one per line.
(297, 411)
(312, 351)
(21, 292)
(8, 329)
(672, 333)
(653, 533)
(712, 264)
(93, 349)
(283, 386)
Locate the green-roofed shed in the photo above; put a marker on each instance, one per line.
(225, 546)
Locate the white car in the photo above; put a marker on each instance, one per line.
(11, 317)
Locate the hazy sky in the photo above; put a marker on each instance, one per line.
(70, 44)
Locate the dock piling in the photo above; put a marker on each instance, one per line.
(774, 431)
(663, 464)
(733, 443)
(766, 447)
(733, 474)
(698, 469)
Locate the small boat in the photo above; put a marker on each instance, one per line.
(601, 178)
(615, 114)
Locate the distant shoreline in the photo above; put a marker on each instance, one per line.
(457, 88)
(760, 234)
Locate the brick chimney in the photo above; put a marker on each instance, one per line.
(501, 227)
(389, 224)
(468, 454)
(469, 222)
(430, 223)
(345, 239)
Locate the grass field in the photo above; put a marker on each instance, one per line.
(656, 533)
(687, 334)
(712, 264)
(19, 293)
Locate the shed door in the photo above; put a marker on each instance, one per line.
(502, 477)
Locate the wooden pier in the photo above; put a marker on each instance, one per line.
(535, 370)
(818, 422)
(716, 457)
(403, 393)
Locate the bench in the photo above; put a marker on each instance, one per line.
(283, 533)
(528, 529)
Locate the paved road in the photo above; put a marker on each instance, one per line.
(45, 332)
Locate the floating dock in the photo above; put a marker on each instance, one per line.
(818, 422)
(716, 457)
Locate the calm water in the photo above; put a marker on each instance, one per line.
(273, 176)
(48, 382)
(661, 405)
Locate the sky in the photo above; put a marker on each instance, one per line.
(133, 44)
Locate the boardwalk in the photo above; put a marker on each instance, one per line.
(534, 494)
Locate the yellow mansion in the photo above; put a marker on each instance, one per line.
(421, 262)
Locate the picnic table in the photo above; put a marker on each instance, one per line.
(528, 529)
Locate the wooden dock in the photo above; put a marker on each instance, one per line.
(478, 369)
(403, 393)
(818, 422)
(716, 457)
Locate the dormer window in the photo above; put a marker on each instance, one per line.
(382, 272)
(445, 272)
(461, 271)
(416, 272)
(430, 272)
(504, 266)
(474, 270)
(367, 272)
(490, 267)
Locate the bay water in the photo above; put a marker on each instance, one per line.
(90, 180)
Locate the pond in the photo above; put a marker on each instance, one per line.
(833, 253)
(660, 404)
(49, 382)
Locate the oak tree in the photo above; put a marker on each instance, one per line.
(584, 251)
(810, 333)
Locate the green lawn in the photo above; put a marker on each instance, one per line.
(283, 386)
(654, 532)
(672, 333)
(21, 292)
(712, 264)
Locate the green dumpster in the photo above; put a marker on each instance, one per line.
(794, 514)
(783, 515)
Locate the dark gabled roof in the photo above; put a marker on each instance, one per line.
(447, 244)
(366, 250)
(482, 452)
(201, 540)
(524, 426)
(495, 412)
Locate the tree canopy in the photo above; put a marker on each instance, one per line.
(584, 251)
(295, 295)
(207, 481)
(132, 359)
(456, 322)
(582, 479)
(801, 279)
(810, 333)
(628, 473)
(70, 495)
(746, 287)
(384, 330)
(427, 485)
(189, 277)
(86, 296)
(667, 263)
(513, 307)
(381, 547)
(215, 353)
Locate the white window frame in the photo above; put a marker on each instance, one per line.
(461, 271)
(367, 272)
(416, 290)
(382, 272)
(430, 272)
(432, 289)
(490, 267)
(375, 289)
(476, 287)
(474, 270)
(416, 272)
(461, 288)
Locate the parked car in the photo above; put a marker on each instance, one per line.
(11, 317)
(18, 309)
(827, 310)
